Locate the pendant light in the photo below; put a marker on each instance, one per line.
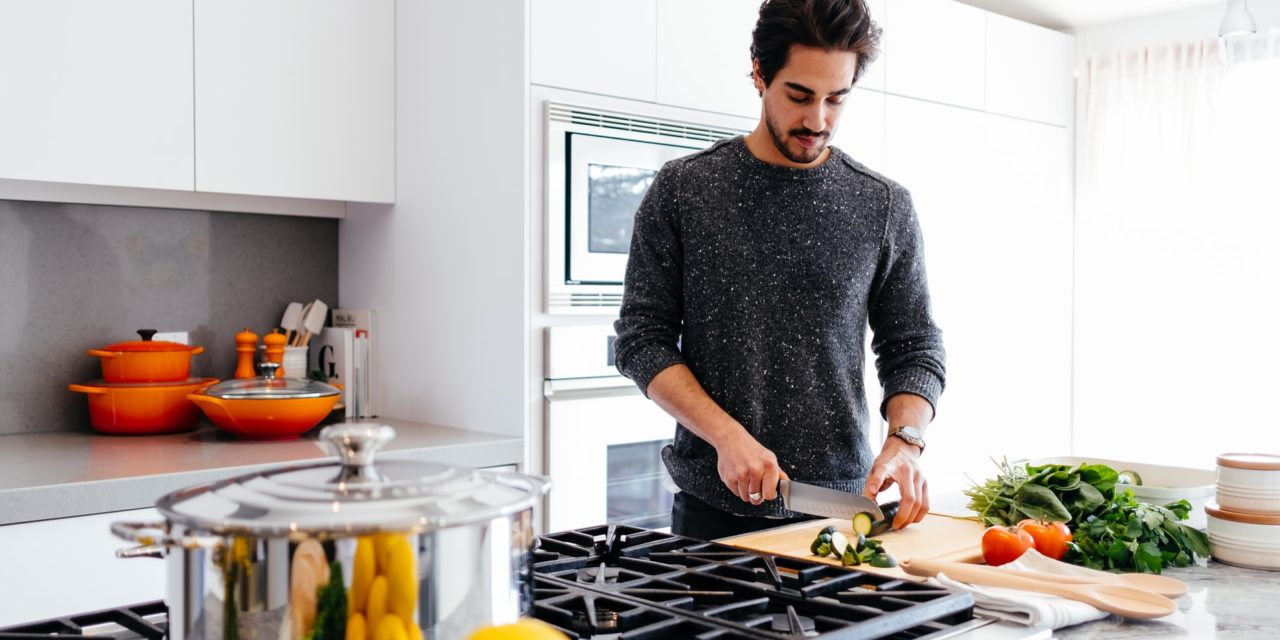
(1237, 21)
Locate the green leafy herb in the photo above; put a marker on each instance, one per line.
(1135, 536)
(331, 608)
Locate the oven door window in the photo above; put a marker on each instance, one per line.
(636, 494)
(607, 180)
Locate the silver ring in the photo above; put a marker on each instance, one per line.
(753, 496)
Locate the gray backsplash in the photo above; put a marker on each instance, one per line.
(75, 277)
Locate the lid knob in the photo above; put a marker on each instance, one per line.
(357, 443)
(146, 334)
(267, 369)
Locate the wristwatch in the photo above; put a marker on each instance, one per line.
(910, 435)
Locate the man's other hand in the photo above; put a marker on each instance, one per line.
(899, 463)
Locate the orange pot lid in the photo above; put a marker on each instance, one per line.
(146, 344)
(157, 385)
(1255, 461)
(1235, 516)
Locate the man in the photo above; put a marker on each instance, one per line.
(755, 268)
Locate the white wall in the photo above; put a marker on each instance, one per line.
(1182, 26)
(445, 266)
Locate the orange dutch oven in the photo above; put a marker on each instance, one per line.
(146, 360)
(267, 407)
(136, 409)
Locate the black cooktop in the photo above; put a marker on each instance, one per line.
(627, 583)
(615, 581)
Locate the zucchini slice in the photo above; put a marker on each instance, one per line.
(1129, 477)
(839, 543)
(850, 557)
(862, 522)
(882, 561)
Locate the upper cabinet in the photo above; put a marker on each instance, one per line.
(593, 46)
(704, 55)
(934, 50)
(96, 93)
(295, 98)
(197, 99)
(1029, 71)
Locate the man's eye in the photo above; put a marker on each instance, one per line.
(836, 101)
(799, 99)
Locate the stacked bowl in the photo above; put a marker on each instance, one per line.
(1244, 522)
(144, 387)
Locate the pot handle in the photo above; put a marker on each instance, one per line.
(197, 351)
(79, 388)
(102, 354)
(155, 535)
(141, 551)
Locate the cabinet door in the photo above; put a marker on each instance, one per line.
(992, 197)
(1029, 71)
(296, 98)
(861, 130)
(73, 558)
(936, 48)
(704, 55)
(593, 46)
(96, 92)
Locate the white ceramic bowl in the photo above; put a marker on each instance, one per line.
(1245, 540)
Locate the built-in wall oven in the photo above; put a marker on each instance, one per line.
(600, 163)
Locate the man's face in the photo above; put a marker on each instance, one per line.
(802, 106)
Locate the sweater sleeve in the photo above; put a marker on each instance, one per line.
(649, 321)
(908, 345)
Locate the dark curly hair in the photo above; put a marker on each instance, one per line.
(831, 25)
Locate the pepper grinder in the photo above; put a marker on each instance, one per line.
(275, 349)
(246, 345)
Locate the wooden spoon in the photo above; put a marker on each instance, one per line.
(1120, 600)
(1163, 585)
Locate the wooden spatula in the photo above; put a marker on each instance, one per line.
(313, 321)
(1120, 600)
(290, 321)
(1163, 585)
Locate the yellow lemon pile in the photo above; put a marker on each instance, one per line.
(384, 590)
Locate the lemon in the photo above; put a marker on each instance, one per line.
(391, 627)
(376, 609)
(525, 629)
(356, 627)
(402, 579)
(414, 632)
(382, 544)
(362, 572)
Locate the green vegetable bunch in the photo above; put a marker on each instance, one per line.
(1134, 536)
(1056, 492)
(331, 608)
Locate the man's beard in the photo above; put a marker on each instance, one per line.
(802, 155)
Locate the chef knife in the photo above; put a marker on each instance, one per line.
(828, 503)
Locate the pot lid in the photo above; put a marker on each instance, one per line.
(1254, 461)
(269, 387)
(147, 344)
(355, 496)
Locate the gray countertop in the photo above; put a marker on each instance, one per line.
(1224, 602)
(63, 474)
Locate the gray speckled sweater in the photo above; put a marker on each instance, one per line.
(762, 279)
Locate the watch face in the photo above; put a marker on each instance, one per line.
(911, 433)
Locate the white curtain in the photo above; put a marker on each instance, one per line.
(1177, 257)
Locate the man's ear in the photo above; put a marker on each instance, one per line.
(755, 77)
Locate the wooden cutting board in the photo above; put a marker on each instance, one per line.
(937, 537)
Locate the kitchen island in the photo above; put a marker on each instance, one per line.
(72, 473)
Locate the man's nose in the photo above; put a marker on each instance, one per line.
(815, 117)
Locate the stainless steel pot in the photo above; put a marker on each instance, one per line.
(418, 550)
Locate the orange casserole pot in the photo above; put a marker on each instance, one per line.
(146, 360)
(138, 409)
(267, 408)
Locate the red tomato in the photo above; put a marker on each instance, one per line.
(1002, 545)
(1050, 538)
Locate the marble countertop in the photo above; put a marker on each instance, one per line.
(1224, 602)
(63, 474)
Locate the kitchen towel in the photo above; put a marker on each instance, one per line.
(1025, 607)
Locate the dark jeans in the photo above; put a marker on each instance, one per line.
(696, 519)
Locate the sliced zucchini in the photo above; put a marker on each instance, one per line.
(882, 561)
(813, 546)
(889, 510)
(823, 549)
(859, 542)
(838, 544)
(862, 522)
(1129, 477)
(850, 557)
(829, 529)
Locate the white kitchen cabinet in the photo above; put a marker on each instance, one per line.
(596, 47)
(68, 566)
(1029, 71)
(934, 51)
(96, 93)
(992, 195)
(296, 98)
(704, 55)
(861, 130)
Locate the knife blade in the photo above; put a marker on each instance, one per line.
(828, 503)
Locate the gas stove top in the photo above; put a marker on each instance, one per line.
(615, 581)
